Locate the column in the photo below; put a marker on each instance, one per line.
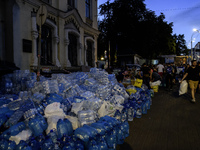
(79, 60)
(85, 56)
(55, 53)
(95, 50)
(67, 62)
(34, 61)
(34, 33)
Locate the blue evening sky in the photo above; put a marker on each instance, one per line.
(185, 15)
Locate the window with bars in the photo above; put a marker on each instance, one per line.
(87, 8)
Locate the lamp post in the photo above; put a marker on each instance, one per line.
(192, 53)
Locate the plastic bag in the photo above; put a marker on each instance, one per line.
(155, 83)
(54, 109)
(24, 135)
(138, 83)
(183, 87)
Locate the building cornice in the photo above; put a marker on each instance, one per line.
(64, 15)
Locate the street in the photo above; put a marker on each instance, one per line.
(172, 123)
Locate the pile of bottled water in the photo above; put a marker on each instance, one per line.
(81, 110)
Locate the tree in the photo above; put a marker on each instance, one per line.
(136, 30)
(180, 47)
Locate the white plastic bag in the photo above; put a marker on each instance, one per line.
(106, 109)
(53, 110)
(24, 135)
(183, 87)
(155, 83)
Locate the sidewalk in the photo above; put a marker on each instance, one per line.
(172, 123)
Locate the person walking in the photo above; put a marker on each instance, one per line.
(192, 74)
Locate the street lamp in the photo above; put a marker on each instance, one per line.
(192, 53)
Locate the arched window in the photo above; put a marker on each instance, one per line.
(72, 52)
(46, 45)
(89, 53)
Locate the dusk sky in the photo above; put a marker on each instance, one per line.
(185, 15)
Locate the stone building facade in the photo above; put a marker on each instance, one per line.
(68, 38)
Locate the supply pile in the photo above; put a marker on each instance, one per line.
(82, 110)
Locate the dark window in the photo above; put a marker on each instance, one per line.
(89, 53)
(71, 3)
(72, 49)
(46, 46)
(87, 8)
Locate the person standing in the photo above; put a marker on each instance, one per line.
(160, 68)
(169, 76)
(147, 74)
(192, 74)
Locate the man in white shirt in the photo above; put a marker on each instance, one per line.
(160, 68)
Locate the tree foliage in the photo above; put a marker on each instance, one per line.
(181, 48)
(132, 28)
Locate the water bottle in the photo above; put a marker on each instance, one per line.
(8, 86)
(42, 121)
(48, 144)
(13, 130)
(92, 130)
(62, 128)
(102, 145)
(124, 115)
(83, 134)
(3, 119)
(119, 135)
(14, 118)
(11, 145)
(30, 114)
(79, 145)
(23, 145)
(138, 111)
(66, 105)
(99, 127)
(126, 128)
(92, 145)
(3, 144)
(144, 108)
(34, 144)
(117, 115)
(40, 139)
(149, 103)
(86, 117)
(67, 140)
(56, 146)
(69, 126)
(53, 136)
(111, 140)
(35, 126)
(68, 147)
(130, 113)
